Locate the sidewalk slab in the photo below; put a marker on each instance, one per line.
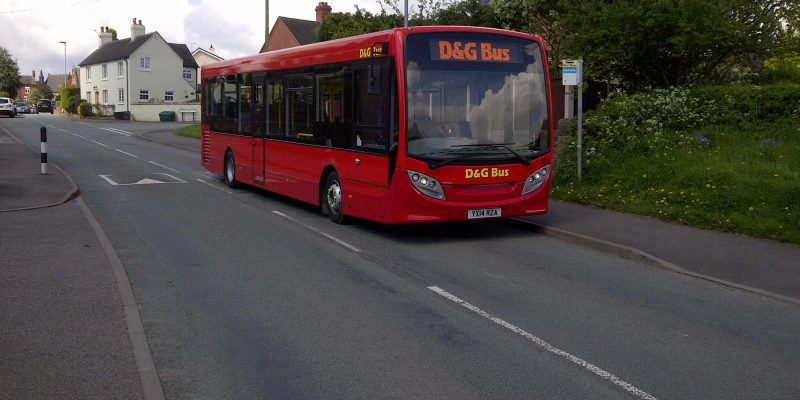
(22, 184)
(63, 333)
(758, 263)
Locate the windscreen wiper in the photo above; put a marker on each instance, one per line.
(522, 159)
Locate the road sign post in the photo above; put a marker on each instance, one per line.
(572, 75)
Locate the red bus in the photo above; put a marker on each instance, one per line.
(409, 125)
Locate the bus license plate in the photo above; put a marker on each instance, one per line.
(483, 213)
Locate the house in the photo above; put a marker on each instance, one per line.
(291, 32)
(203, 57)
(27, 83)
(140, 77)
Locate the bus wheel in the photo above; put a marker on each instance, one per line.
(230, 170)
(332, 198)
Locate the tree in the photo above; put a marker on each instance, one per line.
(40, 91)
(662, 43)
(466, 13)
(428, 12)
(9, 73)
(338, 25)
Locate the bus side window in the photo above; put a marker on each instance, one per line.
(245, 125)
(372, 105)
(333, 125)
(276, 116)
(300, 102)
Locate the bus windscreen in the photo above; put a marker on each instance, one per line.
(475, 98)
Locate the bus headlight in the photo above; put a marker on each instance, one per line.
(535, 179)
(426, 184)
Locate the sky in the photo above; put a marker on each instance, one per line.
(32, 30)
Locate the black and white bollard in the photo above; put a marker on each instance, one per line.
(43, 135)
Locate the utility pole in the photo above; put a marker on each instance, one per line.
(266, 26)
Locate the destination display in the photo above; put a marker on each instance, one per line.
(475, 51)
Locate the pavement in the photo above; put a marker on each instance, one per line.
(77, 332)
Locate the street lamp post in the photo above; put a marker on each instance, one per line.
(65, 63)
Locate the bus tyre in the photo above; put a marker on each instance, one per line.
(230, 170)
(332, 198)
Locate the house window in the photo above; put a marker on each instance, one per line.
(105, 96)
(105, 71)
(144, 95)
(89, 97)
(144, 63)
(187, 74)
(121, 96)
(169, 95)
(120, 69)
(88, 74)
(27, 91)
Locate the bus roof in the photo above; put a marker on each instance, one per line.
(336, 50)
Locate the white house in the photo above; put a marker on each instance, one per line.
(140, 77)
(203, 57)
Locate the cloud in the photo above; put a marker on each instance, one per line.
(232, 37)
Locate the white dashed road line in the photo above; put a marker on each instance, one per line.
(213, 186)
(327, 236)
(126, 153)
(547, 346)
(164, 166)
(101, 144)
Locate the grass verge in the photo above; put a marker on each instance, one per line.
(191, 131)
(744, 180)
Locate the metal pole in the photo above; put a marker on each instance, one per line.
(43, 136)
(65, 63)
(580, 117)
(266, 23)
(405, 19)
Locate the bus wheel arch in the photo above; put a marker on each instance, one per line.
(331, 196)
(229, 168)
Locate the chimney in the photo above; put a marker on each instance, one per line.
(323, 10)
(104, 35)
(137, 29)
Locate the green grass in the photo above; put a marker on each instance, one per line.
(746, 181)
(191, 131)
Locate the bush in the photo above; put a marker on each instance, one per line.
(749, 104)
(67, 99)
(85, 109)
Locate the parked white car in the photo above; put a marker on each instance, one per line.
(8, 107)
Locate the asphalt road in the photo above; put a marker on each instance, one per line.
(245, 294)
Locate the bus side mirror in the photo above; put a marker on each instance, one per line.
(373, 79)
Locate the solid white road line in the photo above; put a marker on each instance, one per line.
(101, 144)
(327, 236)
(163, 166)
(213, 186)
(547, 346)
(126, 153)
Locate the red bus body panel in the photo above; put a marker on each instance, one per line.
(370, 190)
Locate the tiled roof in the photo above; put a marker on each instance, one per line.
(185, 54)
(304, 31)
(123, 48)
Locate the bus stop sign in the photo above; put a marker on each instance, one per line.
(571, 72)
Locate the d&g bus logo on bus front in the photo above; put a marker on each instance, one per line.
(472, 173)
(446, 50)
